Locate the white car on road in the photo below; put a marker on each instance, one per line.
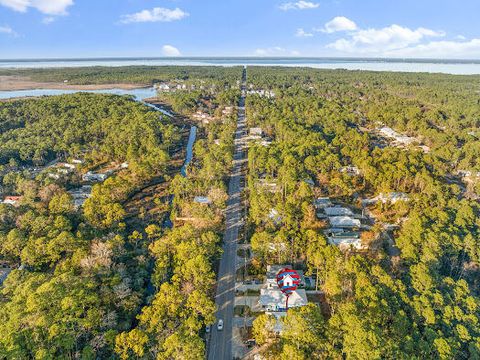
(220, 325)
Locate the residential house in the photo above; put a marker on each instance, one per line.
(274, 300)
(345, 239)
(337, 211)
(271, 297)
(12, 200)
(94, 177)
(344, 222)
(322, 203)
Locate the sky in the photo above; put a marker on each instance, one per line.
(265, 28)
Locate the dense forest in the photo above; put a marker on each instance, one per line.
(131, 272)
(143, 75)
(93, 281)
(420, 303)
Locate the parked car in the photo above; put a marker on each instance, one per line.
(207, 328)
(220, 325)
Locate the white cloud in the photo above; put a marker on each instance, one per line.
(48, 7)
(48, 20)
(7, 30)
(275, 51)
(169, 50)
(302, 33)
(441, 49)
(339, 23)
(157, 14)
(379, 41)
(298, 5)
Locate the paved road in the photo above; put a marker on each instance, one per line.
(220, 344)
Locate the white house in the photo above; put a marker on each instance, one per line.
(272, 299)
(345, 239)
(337, 211)
(343, 222)
(94, 177)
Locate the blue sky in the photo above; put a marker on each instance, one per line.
(109, 28)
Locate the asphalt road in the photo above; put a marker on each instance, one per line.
(220, 342)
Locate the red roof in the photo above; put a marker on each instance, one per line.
(15, 198)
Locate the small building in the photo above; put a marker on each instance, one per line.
(344, 222)
(337, 211)
(392, 134)
(350, 170)
(94, 177)
(464, 173)
(11, 200)
(67, 166)
(264, 142)
(270, 186)
(163, 87)
(255, 132)
(322, 203)
(202, 200)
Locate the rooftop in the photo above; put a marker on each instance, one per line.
(274, 300)
(338, 211)
(343, 221)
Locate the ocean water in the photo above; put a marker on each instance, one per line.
(459, 67)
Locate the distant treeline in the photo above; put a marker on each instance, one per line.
(130, 74)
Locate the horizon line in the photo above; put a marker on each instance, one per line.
(347, 58)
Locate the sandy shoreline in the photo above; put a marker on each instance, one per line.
(12, 83)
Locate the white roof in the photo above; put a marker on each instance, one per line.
(337, 211)
(202, 200)
(343, 221)
(275, 299)
(392, 197)
(346, 242)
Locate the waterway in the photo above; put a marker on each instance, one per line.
(189, 156)
(139, 94)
